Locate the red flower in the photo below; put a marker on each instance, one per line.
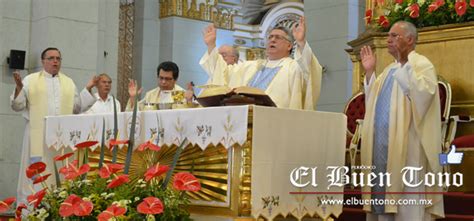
(435, 5)
(111, 212)
(414, 10)
(18, 210)
(109, 169)
(399, 1)
(86, 144)
(62, 157)
(155, 171)
(148, 145)
(71, 171)
(150, 205)
(74, 205)
(384, 22)
(186, 181)
(6, 203)
(368, 16)
(35, 168)
(471, 3)
(460, 7)
(41, 178)
(36, 198)
(114, 142)
(118, 181)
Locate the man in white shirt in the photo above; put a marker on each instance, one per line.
(105, 102)
(45, 93)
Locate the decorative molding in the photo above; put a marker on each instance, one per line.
(125, 50)
(222, 16)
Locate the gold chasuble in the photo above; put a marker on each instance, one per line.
(414, 124)
(38, 105)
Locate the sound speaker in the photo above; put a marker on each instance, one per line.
(17, 59)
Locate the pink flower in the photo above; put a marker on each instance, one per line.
(109, 169)
(114, 142)
(435, 5)
(155, 171)
(118, 181)
(62, 157)
(383, 21)
(460, 6)
(148, 145)
(186, 181)
(18, 210)
(74, 205)
(6, 203)
(414, 10)
(368, 16)
(35, 168)
(72, 172)
(150, 205)
(36, 198)
(471, 3)
(86, 144)
(41, 178)
(111, 212)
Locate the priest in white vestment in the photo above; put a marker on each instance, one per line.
(290, 83)
(402, 128)
(167, 73)
(45, 93)
(104, 101)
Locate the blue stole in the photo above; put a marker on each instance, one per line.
(380, 145)
(263, 77)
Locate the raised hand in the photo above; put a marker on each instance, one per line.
(18, 82)
(209, 34)
(368, 60)
(92, 82)
(132, 88)
(189, 92)
(299, 32)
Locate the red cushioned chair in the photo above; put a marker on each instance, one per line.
(445, 102)
(355, 111)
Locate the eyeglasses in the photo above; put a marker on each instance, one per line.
(165, 78)
(53, 58)
(278, 37)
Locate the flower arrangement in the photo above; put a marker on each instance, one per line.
(107, 193)
(422, 13)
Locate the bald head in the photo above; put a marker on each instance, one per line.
(229, 53)
(409, 29)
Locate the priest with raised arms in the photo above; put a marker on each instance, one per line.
(290, 83)
(48, 92)
(402, 128)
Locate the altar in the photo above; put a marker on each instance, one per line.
(253, 162)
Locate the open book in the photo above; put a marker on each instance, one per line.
(215, 95)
